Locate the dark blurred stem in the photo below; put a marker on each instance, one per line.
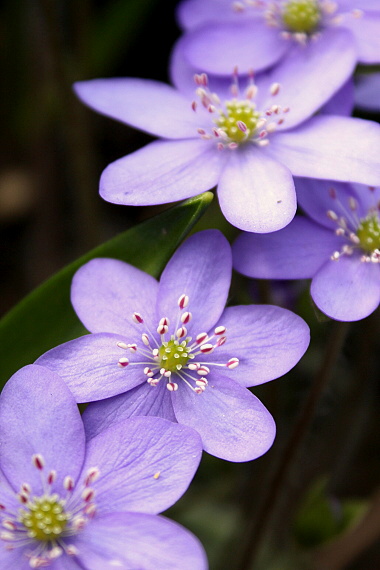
(79, 146)
(257, 530)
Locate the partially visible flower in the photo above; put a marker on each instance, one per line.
(70, 504)
(367, 91)
(337, 245)
(263, 33)
(171, 349)
(248, 140)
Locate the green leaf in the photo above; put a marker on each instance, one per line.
(45, 318)
(322, 517)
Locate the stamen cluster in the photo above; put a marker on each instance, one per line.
(237, 120)
(299, 20)
(362, 234)
(44, 522)
(177, 358)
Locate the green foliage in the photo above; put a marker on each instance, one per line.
(321, 517)
(45, 318)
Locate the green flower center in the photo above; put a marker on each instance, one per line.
(45, 518)
(368, 233)
(301, 16)
(174, 355)
(240, 120)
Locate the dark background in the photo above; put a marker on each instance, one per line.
(53, 150)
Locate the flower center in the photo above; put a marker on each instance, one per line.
(301, 16)
(239, 121)
(179, 358)
(368, 233)
(45, 518)
(45, 523)
(173, 355)
(236, 120)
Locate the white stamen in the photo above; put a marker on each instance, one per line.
(274, 88)
(137, 318)
(232, 363)
(123, 362)
(206, 348)
(183, 301)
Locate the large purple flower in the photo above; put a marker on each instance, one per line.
(171, 349)
(249, 142)
(248, 34)
(71, 505)
(338, 247)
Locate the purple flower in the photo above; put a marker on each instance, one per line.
(171, 349)
(249, 142)
(68, 504)
(222, 34)
(338, 248)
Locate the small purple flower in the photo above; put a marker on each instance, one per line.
(338, 248)
(262, 33)
(70, 504)
(171, 349)
(248, 141)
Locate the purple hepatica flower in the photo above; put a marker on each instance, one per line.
(338, 248)
(164, 360)
(264, 33)
(68, 504)
(248, 141)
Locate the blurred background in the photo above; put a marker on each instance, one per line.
(313, 501)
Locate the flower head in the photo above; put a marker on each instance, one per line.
(337, 245)
(262, 34)
(65, 502)
(171, 349)
(248, 137)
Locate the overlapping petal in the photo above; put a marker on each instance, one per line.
(138, 541)
(200, 269)
(366, 31)
(295, 252)
(367, 91)
(233, 424)
(256, 193)
(145, 463)
(342, 103)
(347, 289)
(267, 340)
(335, 148)
(314, 196)
(144, 400)
(251, 46)
(192, 13)
(38, 415)
(151, 106)
(310, 75)
(162, 172)
(89, 366)
(106, 292)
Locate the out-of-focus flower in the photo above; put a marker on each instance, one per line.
(70, 504)
(337, 246)
(248, 141)
(171, 349)
(260, 34)
(367, 92)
